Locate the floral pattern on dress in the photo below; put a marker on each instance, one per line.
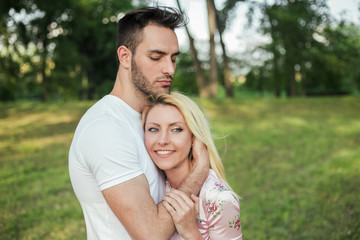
(219, 211)
(214, 208)
(218, 186)
(235, 223)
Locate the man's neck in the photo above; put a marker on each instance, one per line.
(124, 90)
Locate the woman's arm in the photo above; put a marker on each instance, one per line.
(223, 215)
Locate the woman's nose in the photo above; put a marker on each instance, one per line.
(163, 139)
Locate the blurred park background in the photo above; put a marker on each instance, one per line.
(285, 111)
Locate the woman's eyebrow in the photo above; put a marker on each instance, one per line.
(171, 124)
(152, 123)
(174, 123)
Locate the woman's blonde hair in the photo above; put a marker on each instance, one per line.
(194, 119)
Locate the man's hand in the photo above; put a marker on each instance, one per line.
(200, 154)
(200, 171)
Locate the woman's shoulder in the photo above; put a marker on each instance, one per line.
(214, 189)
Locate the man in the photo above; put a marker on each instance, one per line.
(116, 182)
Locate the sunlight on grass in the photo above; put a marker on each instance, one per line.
(263, 125)
(295, 121)
(349, 127)
(295, 163)
(41, 143)
(39, 118)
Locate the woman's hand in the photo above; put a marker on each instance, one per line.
(183, 211)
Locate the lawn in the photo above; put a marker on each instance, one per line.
(294, 162)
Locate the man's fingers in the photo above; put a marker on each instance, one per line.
(201, 155)
(196, 202)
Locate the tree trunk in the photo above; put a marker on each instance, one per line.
(200, 75)
(303, 84)
(227, 70)
(44, 83)
(292, 81)
(91, 95)
(213, 62)
(290, 70)
(291, 84)
(276, 74)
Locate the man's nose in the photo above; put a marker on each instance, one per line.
(169, 67)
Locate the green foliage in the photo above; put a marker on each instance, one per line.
(185, 77)
(67, 48)
(295, 163)
(93, 33)
(311, 52)
(344, 45)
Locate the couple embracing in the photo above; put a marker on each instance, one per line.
(142, 162)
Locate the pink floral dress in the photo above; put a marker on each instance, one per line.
(219, 215)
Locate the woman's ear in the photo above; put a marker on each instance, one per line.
(124, 56)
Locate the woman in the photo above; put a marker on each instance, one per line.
(172, 124)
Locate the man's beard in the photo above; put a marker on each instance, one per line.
(142, 83)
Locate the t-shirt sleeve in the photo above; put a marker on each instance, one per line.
(224, 216)
(110, 151)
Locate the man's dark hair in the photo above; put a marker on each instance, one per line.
(130, 27)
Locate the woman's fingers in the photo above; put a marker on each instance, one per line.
(181, 197)
(174, 203)
(183, 211)
(183, 207)
(169, 208)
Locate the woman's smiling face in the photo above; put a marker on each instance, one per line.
(167, 137)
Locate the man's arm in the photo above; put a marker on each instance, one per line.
(193, 183)
(134, 207)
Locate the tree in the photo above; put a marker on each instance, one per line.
(201, 80)
(213, 83)
(337, 53)
(12, 40)
(291, 25)
(72, 45)
(185, 75)
(222, 17)
(208, 87)
(92, 32)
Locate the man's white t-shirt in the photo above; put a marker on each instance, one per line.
(108, 149)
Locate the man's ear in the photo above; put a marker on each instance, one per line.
(124, 55)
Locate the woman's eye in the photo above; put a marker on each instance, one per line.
(153, 129)
(177, 129)
(155, 58)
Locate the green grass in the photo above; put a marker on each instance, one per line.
(295, 163)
